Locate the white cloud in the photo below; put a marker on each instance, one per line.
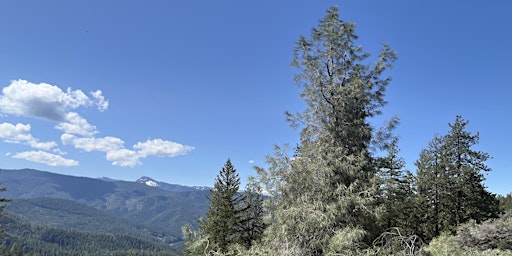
(20, 133)
(105, 144)
(59, 151)
(50, 102)
(45, 158)
(119, 155)
(159, 147)
(100, 100)
(75, 124)
(74, 99)
(123, 157)
(44, 100)
(251, 161)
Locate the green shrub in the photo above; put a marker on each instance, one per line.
(491, 234)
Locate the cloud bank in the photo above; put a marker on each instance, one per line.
(46, 101)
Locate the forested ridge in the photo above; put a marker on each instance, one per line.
(343, 189)
(23, 238)
(136, 217)
(63, 197)
(70, 215)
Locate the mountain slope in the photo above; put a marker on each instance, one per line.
(36, 239)
(68, 214)
(137, 202)
(28, 183)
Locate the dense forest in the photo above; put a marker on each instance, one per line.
(24, 238)
(342, 190)
(139, 217)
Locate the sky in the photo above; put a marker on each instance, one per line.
(172, 89)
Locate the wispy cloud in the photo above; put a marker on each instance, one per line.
(20, 133)
(45, 158)
(105, 144)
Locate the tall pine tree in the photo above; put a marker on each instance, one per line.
(222, 219)
(326, 193)
(432, 184)
(450, 181)
(233, 219)
(467, 167)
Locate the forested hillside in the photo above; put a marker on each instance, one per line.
(21, 237)
(135, 215)
(68, 214)
(146, 205)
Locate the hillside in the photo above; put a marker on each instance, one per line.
(71, 215)
(37, 239)
(103, 206)
(135, 201)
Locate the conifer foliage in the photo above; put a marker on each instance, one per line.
(450, 182)
(337, 194)
(396, 190)
(252, 225)
(325, 194)
(233, 218)
(222, 217)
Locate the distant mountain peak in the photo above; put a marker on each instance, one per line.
(202, 188)
(151, 183)
(169, 187)
(148, 181)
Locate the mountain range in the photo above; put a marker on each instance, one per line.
(144, 209)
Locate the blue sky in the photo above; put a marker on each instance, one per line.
(171, 89)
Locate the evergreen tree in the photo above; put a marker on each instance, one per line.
(252, 224)
(3, 201)
(431, 182)
(233, 219)
(397, 191)
(505, 202)
(326, 193)
(15, 250)
(450, 182)
(466, 166)
(221, 223)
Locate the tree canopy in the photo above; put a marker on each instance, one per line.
(326, 192)
(450, 181)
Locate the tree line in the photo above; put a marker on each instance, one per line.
(345, 190)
